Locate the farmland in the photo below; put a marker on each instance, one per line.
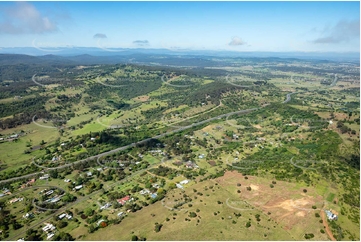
(127, 151)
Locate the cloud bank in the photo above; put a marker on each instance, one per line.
(24, 18)
(141, 42)
(343, 31)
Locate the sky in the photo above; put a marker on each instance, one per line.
(234, 26)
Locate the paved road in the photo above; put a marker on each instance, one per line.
(19, 235)
(334, 81)
(288, 98)
(81, 199)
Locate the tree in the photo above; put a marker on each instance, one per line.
(158, 227)
(62, 224)
(62, 236)
(192, 214)
(53, 173)
(172, 185)
(134, 238)
(88, 211)
(91, 228)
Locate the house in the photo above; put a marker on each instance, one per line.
(184, 182)
(179, 186)
(68, 216)
(49, 192)
(46, 176)
(107, 205)
(144, 191)
(55, 199)
(77, 187)
(92, 139)
(155, 185)
(201, 156)
(67, 180)
(98, 223)
(120, 214)
(61, 216)
(50, 236)
(153, 195)
(48, 226)
(123, 200)
(28, 215)
(191, 165)
(330, 215)
(89, 173)
(14, 136)
(17, 199)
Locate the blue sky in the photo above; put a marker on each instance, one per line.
(237, 26)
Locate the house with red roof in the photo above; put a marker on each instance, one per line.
(123, 200)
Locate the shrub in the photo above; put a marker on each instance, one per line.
(309, 236)
(158, 227)
(192, 214)
(134, 238)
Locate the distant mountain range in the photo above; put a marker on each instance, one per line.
(119, 54)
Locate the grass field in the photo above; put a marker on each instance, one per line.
(10, 154)
(283, 216)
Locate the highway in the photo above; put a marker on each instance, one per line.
(288, 98)
(20, 234)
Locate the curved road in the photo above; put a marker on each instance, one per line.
(288, 98)
(115, 150)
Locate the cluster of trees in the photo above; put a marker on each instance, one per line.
(344, 129)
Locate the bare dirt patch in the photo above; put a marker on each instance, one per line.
(328, 230)
(254, 187)
(142, 98)
(285, 203)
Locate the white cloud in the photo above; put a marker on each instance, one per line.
(99, 36)
(343, 31)
(141, 42)
(24, 18)
(236, 41)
